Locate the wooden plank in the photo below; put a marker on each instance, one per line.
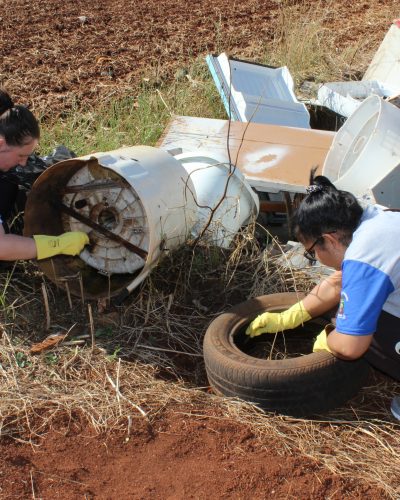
(271, 157)
(273, 206)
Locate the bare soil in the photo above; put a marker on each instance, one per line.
(180, 457)
(57, 55)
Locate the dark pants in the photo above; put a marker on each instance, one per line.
(384, 351)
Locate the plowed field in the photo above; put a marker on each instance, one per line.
(58, 54)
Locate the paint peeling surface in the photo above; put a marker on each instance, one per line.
(262, 160)
(272, 158)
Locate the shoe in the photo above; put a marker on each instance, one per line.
(395, 407)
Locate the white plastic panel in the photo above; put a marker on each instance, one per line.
(345, 97)
(220, 191)
(365, 152)
(385, 65)
(257, 93)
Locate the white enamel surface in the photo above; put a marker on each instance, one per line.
(366, 150)
(214, 180)
(149, 207)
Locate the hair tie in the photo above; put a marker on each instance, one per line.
(314, 188)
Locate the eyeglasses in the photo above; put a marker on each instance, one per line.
(309, 253)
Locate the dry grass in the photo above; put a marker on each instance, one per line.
(147, 359)
(320, 41)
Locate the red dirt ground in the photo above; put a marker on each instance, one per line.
(183, 457)
(55, 55)
(52, 59)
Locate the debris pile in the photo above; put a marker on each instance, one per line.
(207, 175)
(274, 145)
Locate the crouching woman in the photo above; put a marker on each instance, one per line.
(19, 136)
(363, 246)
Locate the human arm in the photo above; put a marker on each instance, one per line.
(341, 345)
(364, 292)
(324, 296)
(321, 299)
(346, 346)
(14, 247)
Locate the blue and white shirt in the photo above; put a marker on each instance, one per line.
(370, 273)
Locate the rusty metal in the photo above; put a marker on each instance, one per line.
(90, 187)
(272, 206)
(42, 218)
(102, 230)
(122, 201)
(134, 204)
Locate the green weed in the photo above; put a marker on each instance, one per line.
(51, 358)
(135, 119)
(21, 359)
(115, 355)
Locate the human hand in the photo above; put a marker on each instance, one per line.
(71, 243)
(271, 322)
(321, 342)
(265, 323)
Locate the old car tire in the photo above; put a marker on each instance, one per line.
(300, 386)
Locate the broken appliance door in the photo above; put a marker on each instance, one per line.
(257, 93)
(345, 97)
(385, 65)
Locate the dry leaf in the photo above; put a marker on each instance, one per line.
(47, 343)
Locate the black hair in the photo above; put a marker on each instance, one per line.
(326, 209)
(18, 125)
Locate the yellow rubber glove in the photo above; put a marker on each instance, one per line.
(70, 243)
(270, 322)
(321, 342)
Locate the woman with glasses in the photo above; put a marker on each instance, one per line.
(19, 136)
(363, 246)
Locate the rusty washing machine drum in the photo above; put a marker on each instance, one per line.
(133, 204)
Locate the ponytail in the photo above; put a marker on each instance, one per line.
(326, 209)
